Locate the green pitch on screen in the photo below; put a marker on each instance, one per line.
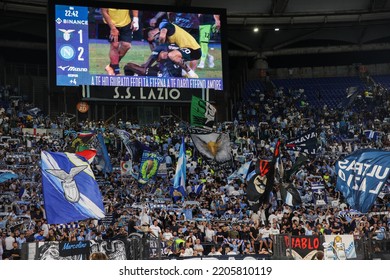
(98, 57)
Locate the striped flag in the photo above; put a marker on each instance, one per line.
(197, 189)
(371, 134)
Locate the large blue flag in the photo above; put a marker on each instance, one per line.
(179, 181)
(69, 188)
(361, 176)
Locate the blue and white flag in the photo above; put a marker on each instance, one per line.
(348, 214)
(372, 135)
(179, 181)
(361, 176)
(339, 247)
(197, 189)
(319, 194)
(70, 190)
(241, 173)
(34, 111)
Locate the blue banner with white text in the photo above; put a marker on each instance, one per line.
(361, 176)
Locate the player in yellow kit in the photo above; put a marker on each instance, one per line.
(121, 32)
(189, 49)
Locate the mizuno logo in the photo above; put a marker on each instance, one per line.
(73, 69)
(63, 67)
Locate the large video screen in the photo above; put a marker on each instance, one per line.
(128, 45)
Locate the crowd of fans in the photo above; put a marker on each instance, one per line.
(219, 215)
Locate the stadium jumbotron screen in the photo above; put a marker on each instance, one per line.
(134, 45)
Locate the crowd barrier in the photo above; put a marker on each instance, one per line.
(140, 247)
(130, 248)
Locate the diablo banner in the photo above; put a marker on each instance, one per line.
(303, 247)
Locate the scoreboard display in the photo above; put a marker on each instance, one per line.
(72, 46)
(79, 46)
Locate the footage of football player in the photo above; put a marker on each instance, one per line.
(187, 21)
(189, 49)
(121, 32)
(158, 64)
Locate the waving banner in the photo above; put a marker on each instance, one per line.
(70, 190)
(215, 149)
(301, 160)
(6, 175)
(127, 168)
(89, 155)
(149, 166)
(103, 159)
(261, 183)
(81, 142)
(134, 147)
(361, 176)
(290, 195)
(241, 173)
(202, 113)
(306, 143)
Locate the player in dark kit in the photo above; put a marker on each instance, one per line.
(158, 64)
(189, 50)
